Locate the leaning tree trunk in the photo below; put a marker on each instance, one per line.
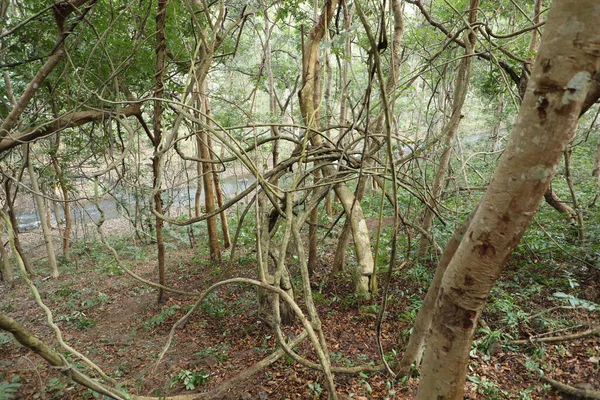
(449, 131)
(209, 186)
(568, 59)
(390, 84)
(308, 108)
(39, 203)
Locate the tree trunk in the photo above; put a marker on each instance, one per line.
(414, 349)
(7, 271)
(449, 131)
(161, 16)
(567, 61)
(39, 203)
(66, 205)
(217, 185)
(209, 186)
(15, 226)
(309, 109)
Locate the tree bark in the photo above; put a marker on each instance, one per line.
(414, 349)
(309, 110)
(161, 17)
(39, 202)
(209, 187)
(568, 59)
(449, 131)
(15, 226)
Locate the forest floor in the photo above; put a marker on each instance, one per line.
(116, 321)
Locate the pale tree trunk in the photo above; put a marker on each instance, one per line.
(313, 219)
(66, 205)
(392, 79)
(339, 260)
(209, 185)
(309, 109)
(39, 202)
(550, 196)
(414, 349)
(449, 131)
(161, 16)
(7, 271)
(566, 63)
(270, 82)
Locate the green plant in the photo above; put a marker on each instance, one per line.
(161, 317)
(213, 306)
(190, 379)
(366, 385)
(315, 388)
(220, 352)
(576, 302)
(5, 338)
(9, 390)
(488, 388)
(77, 318)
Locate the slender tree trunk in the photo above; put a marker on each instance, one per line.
(7, 271)
(449, 131)
(392, 79)
(15, 226)
(312, 234)
(217, 185)
(578, 212)
(39, 202)
(596, 173)
(548, 117)
(209, 188)
(66, 205)
(161, 16)
(198, 195)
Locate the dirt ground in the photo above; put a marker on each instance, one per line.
(115, 321)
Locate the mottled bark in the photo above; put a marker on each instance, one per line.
(567, 61)
(414, 349)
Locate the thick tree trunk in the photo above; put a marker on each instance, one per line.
(414, 349)
(567, 61)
